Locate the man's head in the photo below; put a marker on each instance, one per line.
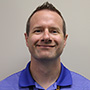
(47, 6)
(45, 36)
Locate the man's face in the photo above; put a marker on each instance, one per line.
(46, 39)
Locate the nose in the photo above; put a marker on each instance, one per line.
(46, 36)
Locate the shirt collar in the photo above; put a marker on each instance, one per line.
(65, 78)
(26, 79)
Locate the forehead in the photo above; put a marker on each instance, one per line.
(46, 16)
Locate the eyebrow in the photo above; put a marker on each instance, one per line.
(54, 28)
(49, 27)
(40, 27)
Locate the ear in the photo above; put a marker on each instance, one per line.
(65, 39)
(26, 38)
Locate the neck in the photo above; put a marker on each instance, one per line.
(45, 74)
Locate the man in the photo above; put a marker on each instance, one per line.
(45, 38)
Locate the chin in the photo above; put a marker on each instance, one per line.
(46, 58)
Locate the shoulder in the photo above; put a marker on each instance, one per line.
(11, 81)
(80, 81)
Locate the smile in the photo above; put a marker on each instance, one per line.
(45, 46)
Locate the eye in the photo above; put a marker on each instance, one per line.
(54, 31)
(37, 31)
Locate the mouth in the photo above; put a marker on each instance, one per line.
(46, 46)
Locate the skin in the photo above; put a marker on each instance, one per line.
(45, 42)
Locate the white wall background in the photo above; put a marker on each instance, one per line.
(14, 54)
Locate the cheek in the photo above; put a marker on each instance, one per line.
(60, 41)
(33, 40)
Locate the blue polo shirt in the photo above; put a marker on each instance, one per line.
(23, 80)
